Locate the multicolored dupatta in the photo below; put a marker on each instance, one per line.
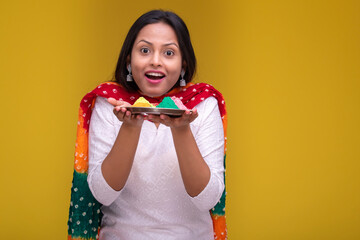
(84, 213)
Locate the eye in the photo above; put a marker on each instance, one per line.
(169, 53)
(144, 50)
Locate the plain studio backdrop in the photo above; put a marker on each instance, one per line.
(289, 71)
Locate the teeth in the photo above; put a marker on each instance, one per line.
(155, 74)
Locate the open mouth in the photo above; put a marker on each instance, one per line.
(155, 76)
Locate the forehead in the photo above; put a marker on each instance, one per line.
(157, 33)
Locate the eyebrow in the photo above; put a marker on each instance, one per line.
(167, 44)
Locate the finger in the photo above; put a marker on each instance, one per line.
(167, 120)
(133, 118)
(119, 114)
(120, 108)
(116, 111)
(111, 100)
(194, 113)
(164, 117)
(126, 116)
(186, 116)
(193, 116)
(114, 102)
(151, 118)
(139, 117)
(154, 118)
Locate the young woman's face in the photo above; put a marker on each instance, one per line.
(156, 60)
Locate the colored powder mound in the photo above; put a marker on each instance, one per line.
(142, 102)
(179, 103)
(167, 102)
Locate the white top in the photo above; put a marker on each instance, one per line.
(154, 203)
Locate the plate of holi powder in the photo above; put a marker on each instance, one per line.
(171, 106)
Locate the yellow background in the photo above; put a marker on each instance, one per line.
(290, 73)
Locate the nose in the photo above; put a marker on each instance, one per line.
(156, 59)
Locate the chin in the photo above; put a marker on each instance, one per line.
(155, 92)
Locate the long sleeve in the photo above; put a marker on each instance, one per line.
(210, 140)
(102, 135)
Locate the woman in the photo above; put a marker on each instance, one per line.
(156, 177)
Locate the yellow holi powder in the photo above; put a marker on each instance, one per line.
(142, 102)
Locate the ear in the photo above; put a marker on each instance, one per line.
(184, 65)
(128, 60)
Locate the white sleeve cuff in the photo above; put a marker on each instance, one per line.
(101, 190)
(210, 195)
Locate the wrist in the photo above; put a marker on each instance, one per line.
(180, 129)
(131, 127)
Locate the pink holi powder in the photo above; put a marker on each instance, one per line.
(179, 103)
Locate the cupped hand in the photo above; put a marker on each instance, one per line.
(123, 114)
(175, 123)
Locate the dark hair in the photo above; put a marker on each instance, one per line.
(183, 36)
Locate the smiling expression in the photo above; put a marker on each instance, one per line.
(156, 60)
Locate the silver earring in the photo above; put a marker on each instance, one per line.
(129, 77)
(182, 80)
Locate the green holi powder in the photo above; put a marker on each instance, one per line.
(167, 102)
